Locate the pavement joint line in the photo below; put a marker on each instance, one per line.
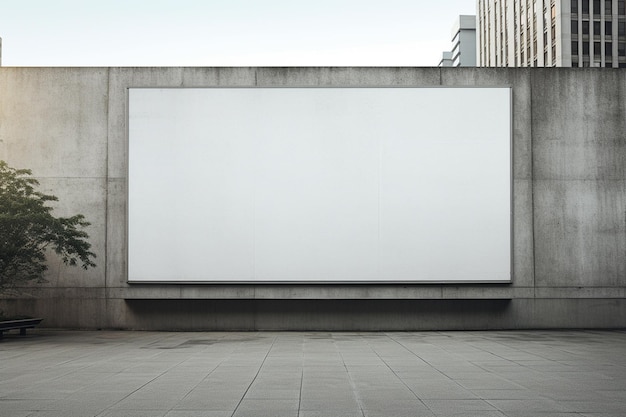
(195, 386)
(301, 378)
(256, 375)
(352, 385)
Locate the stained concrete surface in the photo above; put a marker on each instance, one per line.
(70, 126)
(498, 373)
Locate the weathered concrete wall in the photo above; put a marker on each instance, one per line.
(69, 125)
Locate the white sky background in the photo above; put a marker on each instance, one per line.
(227, 32)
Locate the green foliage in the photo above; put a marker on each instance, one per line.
(28, 228)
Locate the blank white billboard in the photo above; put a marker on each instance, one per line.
(319, 185)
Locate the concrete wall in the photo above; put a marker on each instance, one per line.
(69, 125)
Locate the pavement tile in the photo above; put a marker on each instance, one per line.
(388, 393)
(330, 413)
(603, 414)
(16, 413)
(506, 394)
(272, 393)
(535, 405)
(439, 393)
(266, 413)
(164, 403)
(483, 413)
(198, 413)
(488, 382)
(329, 404)
(415, 405)
(204, 403)
(417, 412)
(261, 405)
(24, 405)
(133, 413)
(595, 406)
(64, 413)
(458, 406)
(616, 394)
(520, 413)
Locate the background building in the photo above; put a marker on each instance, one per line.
(552, 33)
(446, 59)
(464, 42)
(463, 53)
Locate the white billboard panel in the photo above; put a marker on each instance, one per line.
(319, 185)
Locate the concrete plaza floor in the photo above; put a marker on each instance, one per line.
(487, 374)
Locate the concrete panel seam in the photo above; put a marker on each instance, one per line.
(532, 186)
(106, 199)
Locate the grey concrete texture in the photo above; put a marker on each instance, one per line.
(93, 310)
(54, 120)
(579, 170)
(295, 374)
(69, 125)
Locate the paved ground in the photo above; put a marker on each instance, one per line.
(487, 374)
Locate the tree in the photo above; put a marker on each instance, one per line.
(28, 229)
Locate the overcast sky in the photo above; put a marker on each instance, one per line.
(227, 32)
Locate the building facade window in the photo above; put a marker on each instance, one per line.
(596, 7)
(531, 32)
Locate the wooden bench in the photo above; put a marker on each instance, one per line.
(21, 324)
